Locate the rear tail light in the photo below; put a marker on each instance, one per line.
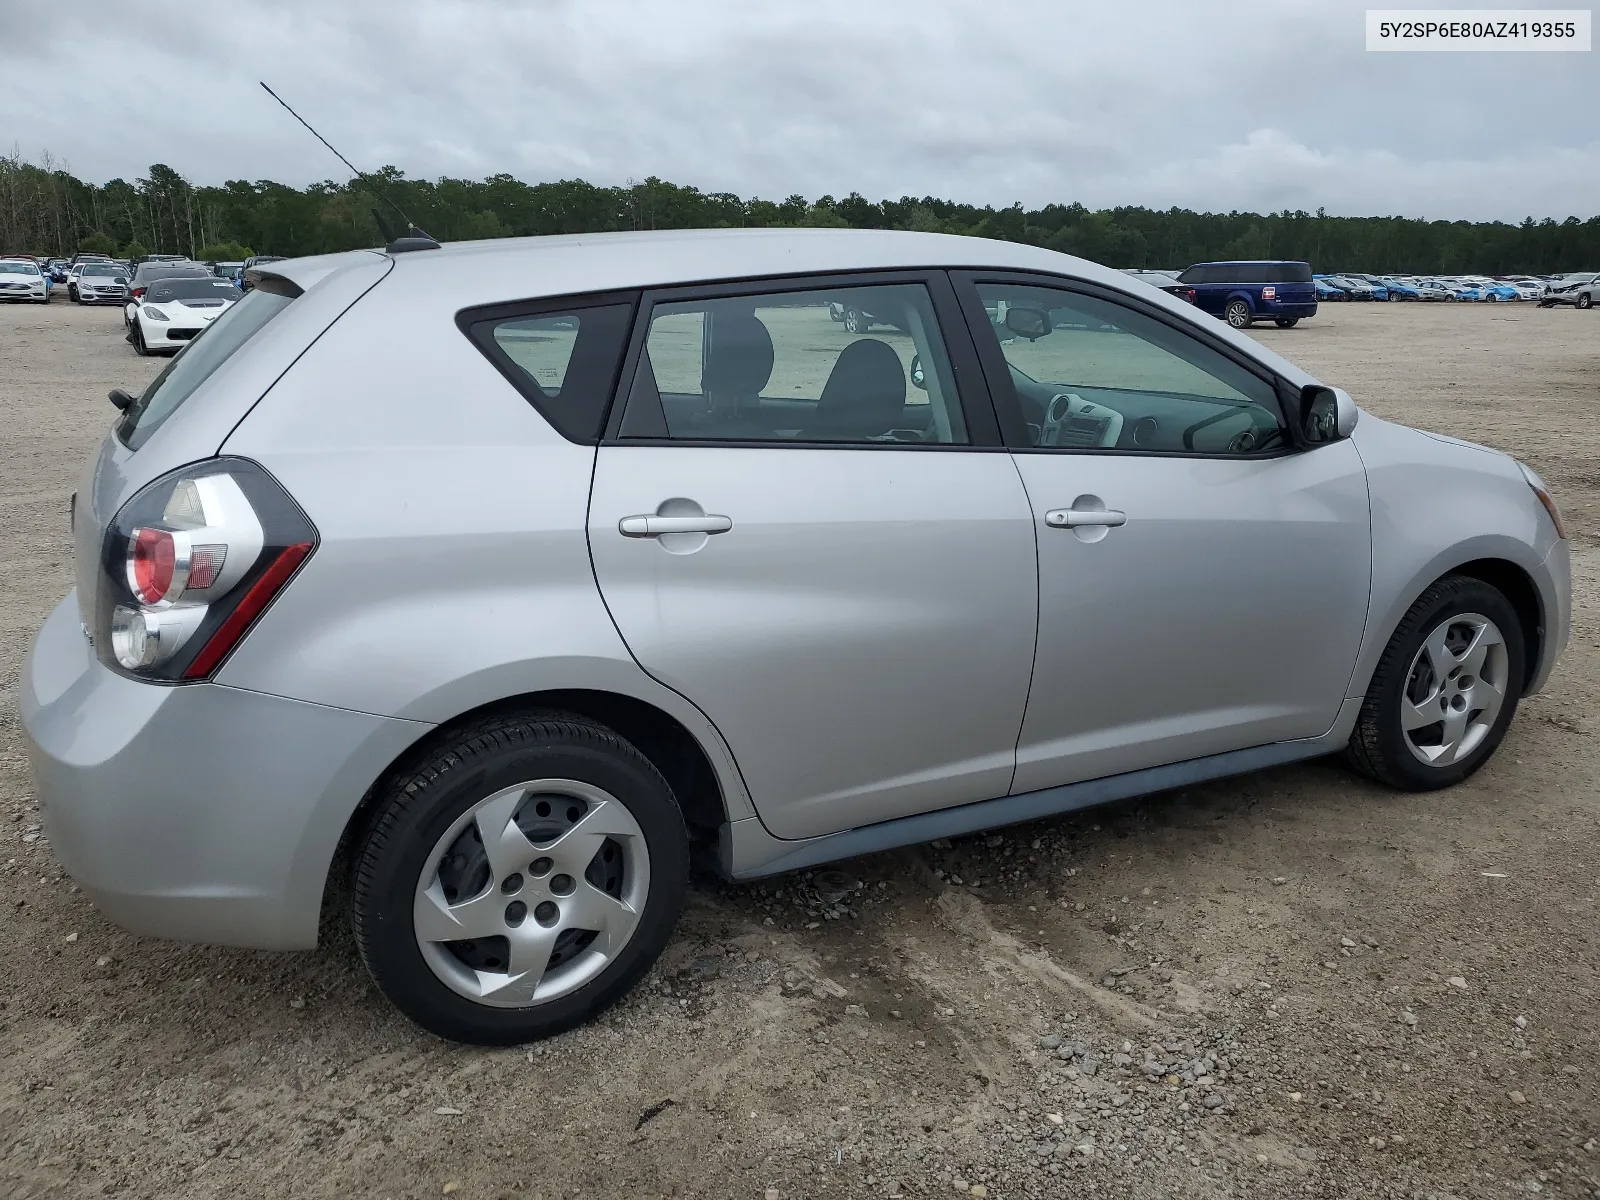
(1191, 295)
(137, 292)
(190, 563)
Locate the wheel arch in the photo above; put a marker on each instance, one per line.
(1509, 578)
(661, 737)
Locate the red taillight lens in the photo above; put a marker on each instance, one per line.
(137, 292)
(190, 563)
(152, 563)
(247, 610)
(1191, 296)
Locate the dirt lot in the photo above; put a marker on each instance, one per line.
(1289, 984)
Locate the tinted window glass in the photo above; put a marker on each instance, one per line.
(1195, 275)
(565, 363)
(196, 363)
(846, 365)
(1107, 377)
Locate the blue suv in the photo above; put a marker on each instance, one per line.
(1242, 292)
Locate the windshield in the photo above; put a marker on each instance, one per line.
(191, 289)
(147, 273)
(99, 269)
(18, 268)
(196, 363)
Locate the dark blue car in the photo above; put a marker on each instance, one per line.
(1242, 292)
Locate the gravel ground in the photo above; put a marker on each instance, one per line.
(1290, 984)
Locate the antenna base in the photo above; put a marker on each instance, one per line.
(414, 239)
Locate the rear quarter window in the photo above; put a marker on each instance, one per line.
(564, 360)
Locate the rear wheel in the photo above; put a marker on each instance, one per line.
(1445, 689)
(1237, 314)
(1286, 322)
(520, 879)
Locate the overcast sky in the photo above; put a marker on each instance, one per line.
(1207, 104)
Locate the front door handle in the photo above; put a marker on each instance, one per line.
(1078, 518)
(654, 525)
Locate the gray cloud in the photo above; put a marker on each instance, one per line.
(1256, 104)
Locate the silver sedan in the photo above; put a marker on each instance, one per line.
(520, 569)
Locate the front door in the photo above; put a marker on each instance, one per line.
(1202, 583)
(835, 565)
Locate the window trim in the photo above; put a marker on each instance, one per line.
(997, 372)
(477, 324)
(978, 409)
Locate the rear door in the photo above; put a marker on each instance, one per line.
(837, 566)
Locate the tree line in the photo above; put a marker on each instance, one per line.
(44, 209)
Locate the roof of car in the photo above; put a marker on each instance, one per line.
(554, 265)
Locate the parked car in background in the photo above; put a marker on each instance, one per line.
(147, 273)
(244, 280)
(21, 279)
(89, 256)
(226, 270)
(99, 283)
(1326, 289)
(1432, 289)
(719, 578)
(1359, 289)
(1244, 292)
(1401, 289)
(172, 312)
(1578, 290)
(1167, 283)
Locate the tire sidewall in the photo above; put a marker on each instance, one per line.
(388, 940)
(1476, 597)
(1234, 307)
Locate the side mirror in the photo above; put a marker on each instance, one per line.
(120, 398)
(918, 380)
(1031, 323)
(1327, 414)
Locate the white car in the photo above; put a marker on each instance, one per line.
(173, 312)
(1527, 289)
(21, 279)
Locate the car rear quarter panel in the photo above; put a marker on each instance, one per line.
(453, 569)
(1436, 506)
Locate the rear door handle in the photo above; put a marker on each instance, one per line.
(1077, 518)
(653, 525)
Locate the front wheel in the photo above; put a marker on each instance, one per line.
(520, 879)
(1445, 689)
(1237, 314)
(1286, 322)
(1584, 301)
(137, 336)
(856, 321)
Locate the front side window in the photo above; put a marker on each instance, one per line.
(843, 365)
(1091, 374)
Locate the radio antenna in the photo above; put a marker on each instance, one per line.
(414, 238)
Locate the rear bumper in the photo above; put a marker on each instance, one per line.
(203, 813)
(1271, 308)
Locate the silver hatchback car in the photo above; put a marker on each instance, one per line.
(521, 569)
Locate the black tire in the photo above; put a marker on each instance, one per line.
(1584, 300)
(72, 294)
(1237, 314)
(1286, 322)
(136, 336)
(855, 321)
(1377, 746)
(419, 807)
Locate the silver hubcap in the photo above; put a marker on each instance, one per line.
(532, 892)
(1455, 689)
(1238, 314)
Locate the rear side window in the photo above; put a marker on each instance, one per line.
(197, 362)
(564, 361)
(1196, 275)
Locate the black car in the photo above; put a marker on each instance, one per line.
(244, 272)
(1168, 283)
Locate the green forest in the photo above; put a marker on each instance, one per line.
(46, 210)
